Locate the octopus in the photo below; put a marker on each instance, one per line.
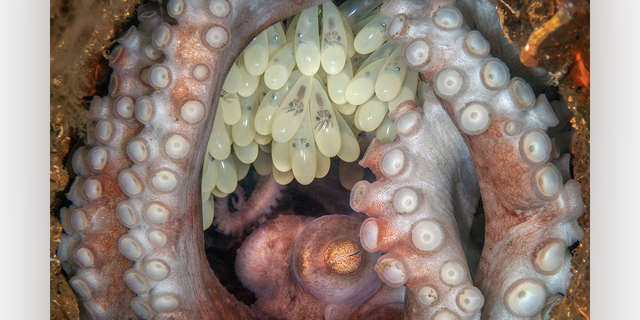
(297, 105)
(133, 244)
(332, 37)
(323, 116)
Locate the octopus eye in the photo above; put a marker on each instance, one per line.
(339, 38)
(291, 104)
(306, 145)
(317, 118)
(329, 117)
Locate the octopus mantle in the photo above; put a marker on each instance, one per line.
(134, 245)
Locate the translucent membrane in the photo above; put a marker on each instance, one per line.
(306, 44)
(262, 90)
(230, 105)
(263, 163)
(280, 67)
(323, 164)
(417, 53)
(360, 24)
(289, 115)
(391, 76)
(370, 114)
(249, 82)
(354, 10)
(207, 213)
(241, 168)
(333, 52)
(347, 28)
(227, 178)
(233, 81)
(372, 35)
(337, 83)
(256, 54)
(291, 31)
(219, 145)
(346, 109)
(282, 177)
(474, 118)
(382, 53)
(323, 120)
(210, 175)
(280, 156)
(349, 150)
(276, 38)
(362, 86)
(386, 132)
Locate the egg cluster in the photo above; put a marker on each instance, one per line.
(293, 99)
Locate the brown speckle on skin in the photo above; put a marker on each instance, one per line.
(343, 256)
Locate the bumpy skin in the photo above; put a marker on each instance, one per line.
(284, 263)
(88, 249)
(424, 178)
(530, 215)
(249, 211)
(134, 244)
(167, 267)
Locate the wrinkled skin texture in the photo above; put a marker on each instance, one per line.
(100, 249)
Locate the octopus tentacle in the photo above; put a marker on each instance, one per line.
(260, 203)
(412, 213)
(169, 272)
(530, 216)
(314, 269)
(133, 242)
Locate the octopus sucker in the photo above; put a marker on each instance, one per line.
(445, 123)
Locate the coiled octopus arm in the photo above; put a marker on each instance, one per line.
(88, 250)
(144, 180)
(530, 215)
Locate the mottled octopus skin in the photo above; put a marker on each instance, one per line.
(520, 219)
(90, 223)
(189, 290)
(251, 210)
(153, 265)
(437, 167)
(283, 263)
